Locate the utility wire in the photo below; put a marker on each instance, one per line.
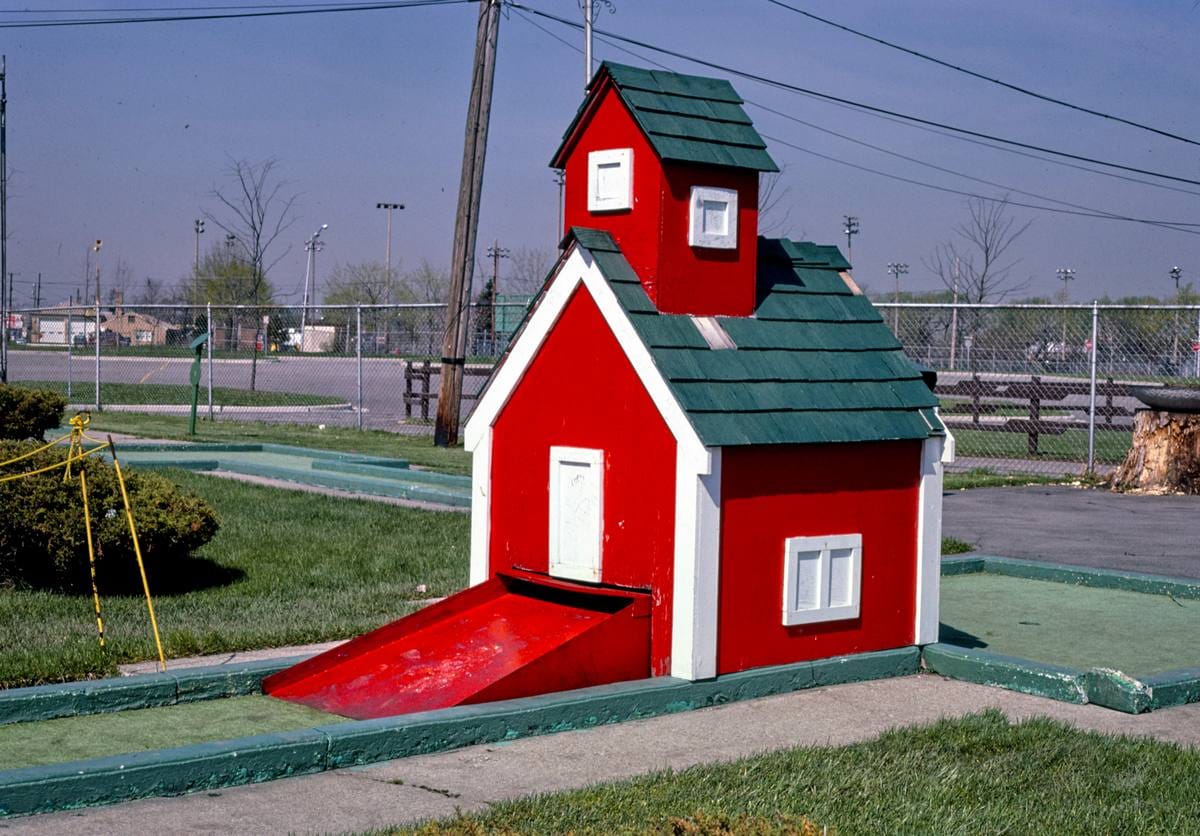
(1014, 87)
(324, 9)
(842, 100)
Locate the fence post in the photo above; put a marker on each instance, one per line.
(98, 407)
(1091, 466)
(358, 359)
(209, 343)
(70, 339)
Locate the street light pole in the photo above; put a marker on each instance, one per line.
(1065, 275)
(389, 207)
(897, 269)
(1176, 273)
(311, 246)
(849, 229)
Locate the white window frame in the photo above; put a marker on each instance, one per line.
(697, 237)
(623, 159)
(594, 459)
(794, 547)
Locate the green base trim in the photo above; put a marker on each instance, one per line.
(1077, 575)
(266, 757)
(393, 487)
(48, 702)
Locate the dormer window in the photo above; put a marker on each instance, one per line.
(713, 218)
(610, 180)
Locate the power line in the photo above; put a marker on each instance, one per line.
(947, 189)
(275, 12)
(782, 85)
(1014, 87)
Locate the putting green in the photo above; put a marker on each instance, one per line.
(98, 735)
(1074, 626)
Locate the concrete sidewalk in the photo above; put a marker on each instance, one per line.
(411, 789)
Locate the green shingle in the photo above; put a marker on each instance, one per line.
(688, 119)
(815, 364)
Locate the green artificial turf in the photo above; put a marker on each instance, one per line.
(975, 775)
(1074, 626)
(419, 450)
(175, 393)
(285, 568)
(98, 735)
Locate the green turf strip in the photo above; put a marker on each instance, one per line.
(98, 735)
(1074, 626)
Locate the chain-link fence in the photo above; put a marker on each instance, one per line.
(1015, 381)
(365, 366)
(1047, 389)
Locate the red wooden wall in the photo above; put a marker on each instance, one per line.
(772, 493)
(581, 391)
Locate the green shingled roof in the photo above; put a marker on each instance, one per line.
(816, 363)
(687, 118)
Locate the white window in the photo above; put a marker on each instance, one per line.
(576, 512)
(713, 218)
(610, 180)
(822, 578)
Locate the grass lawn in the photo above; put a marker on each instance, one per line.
(175, 393)
(285, 568)
(418, 450)
(982, 478)
(1071, 446)
(978, 774)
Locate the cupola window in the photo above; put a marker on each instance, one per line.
(713, 218)
(610, 180)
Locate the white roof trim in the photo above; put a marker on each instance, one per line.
(578, 267)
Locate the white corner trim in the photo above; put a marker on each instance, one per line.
(697, 565)
(929, 541)
(481, 507)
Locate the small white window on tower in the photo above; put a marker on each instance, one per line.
(822, 578)
(610, 180)
(713, 218)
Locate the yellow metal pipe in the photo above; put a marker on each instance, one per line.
(87, 524)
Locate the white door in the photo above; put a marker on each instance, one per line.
(576, 512)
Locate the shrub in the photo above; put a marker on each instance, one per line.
(28, 413)
(43, 542)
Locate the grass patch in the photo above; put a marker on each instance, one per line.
(286, 568)
(100, 735)
(418, 450)
(983, 478)
(952, 545)
(978, 774)
(1071, 446)
(175, 394)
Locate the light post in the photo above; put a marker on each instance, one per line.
(897, 269)
(198, 226)
(389, 207)
(1176, 273)
(312, 246)
(849, 229)
(1065, 275)
(560, 177)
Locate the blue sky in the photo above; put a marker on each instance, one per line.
(121, 132)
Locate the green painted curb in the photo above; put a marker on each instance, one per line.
(48, 702)
(187, 447)
(461, 483)
(392, 487)
(1028, 677)
(1177, 687)
(1077, 575)
(166, 464)
(962, 566)
(266, 757)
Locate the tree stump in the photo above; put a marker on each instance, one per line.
(1165, 455)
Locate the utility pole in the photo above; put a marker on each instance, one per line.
(849, 229)
(897, 269)
(3, 214)
(466, 223)
(37, 292)
(312, 246)
(954, 319)
(1176, 274)
(496, 252)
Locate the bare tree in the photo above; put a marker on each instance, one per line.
(528, 269)
(977, 266)
(774, 209)
(255, 213)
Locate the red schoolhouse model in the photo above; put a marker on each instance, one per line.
(703, 451)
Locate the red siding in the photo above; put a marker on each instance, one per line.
(770, 494)
(581, 391)
(653, 235)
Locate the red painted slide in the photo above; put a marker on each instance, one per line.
(512, 636)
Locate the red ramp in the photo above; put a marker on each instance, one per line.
(508, 637)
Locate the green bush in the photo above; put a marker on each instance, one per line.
(28, 413)
(43, 541)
